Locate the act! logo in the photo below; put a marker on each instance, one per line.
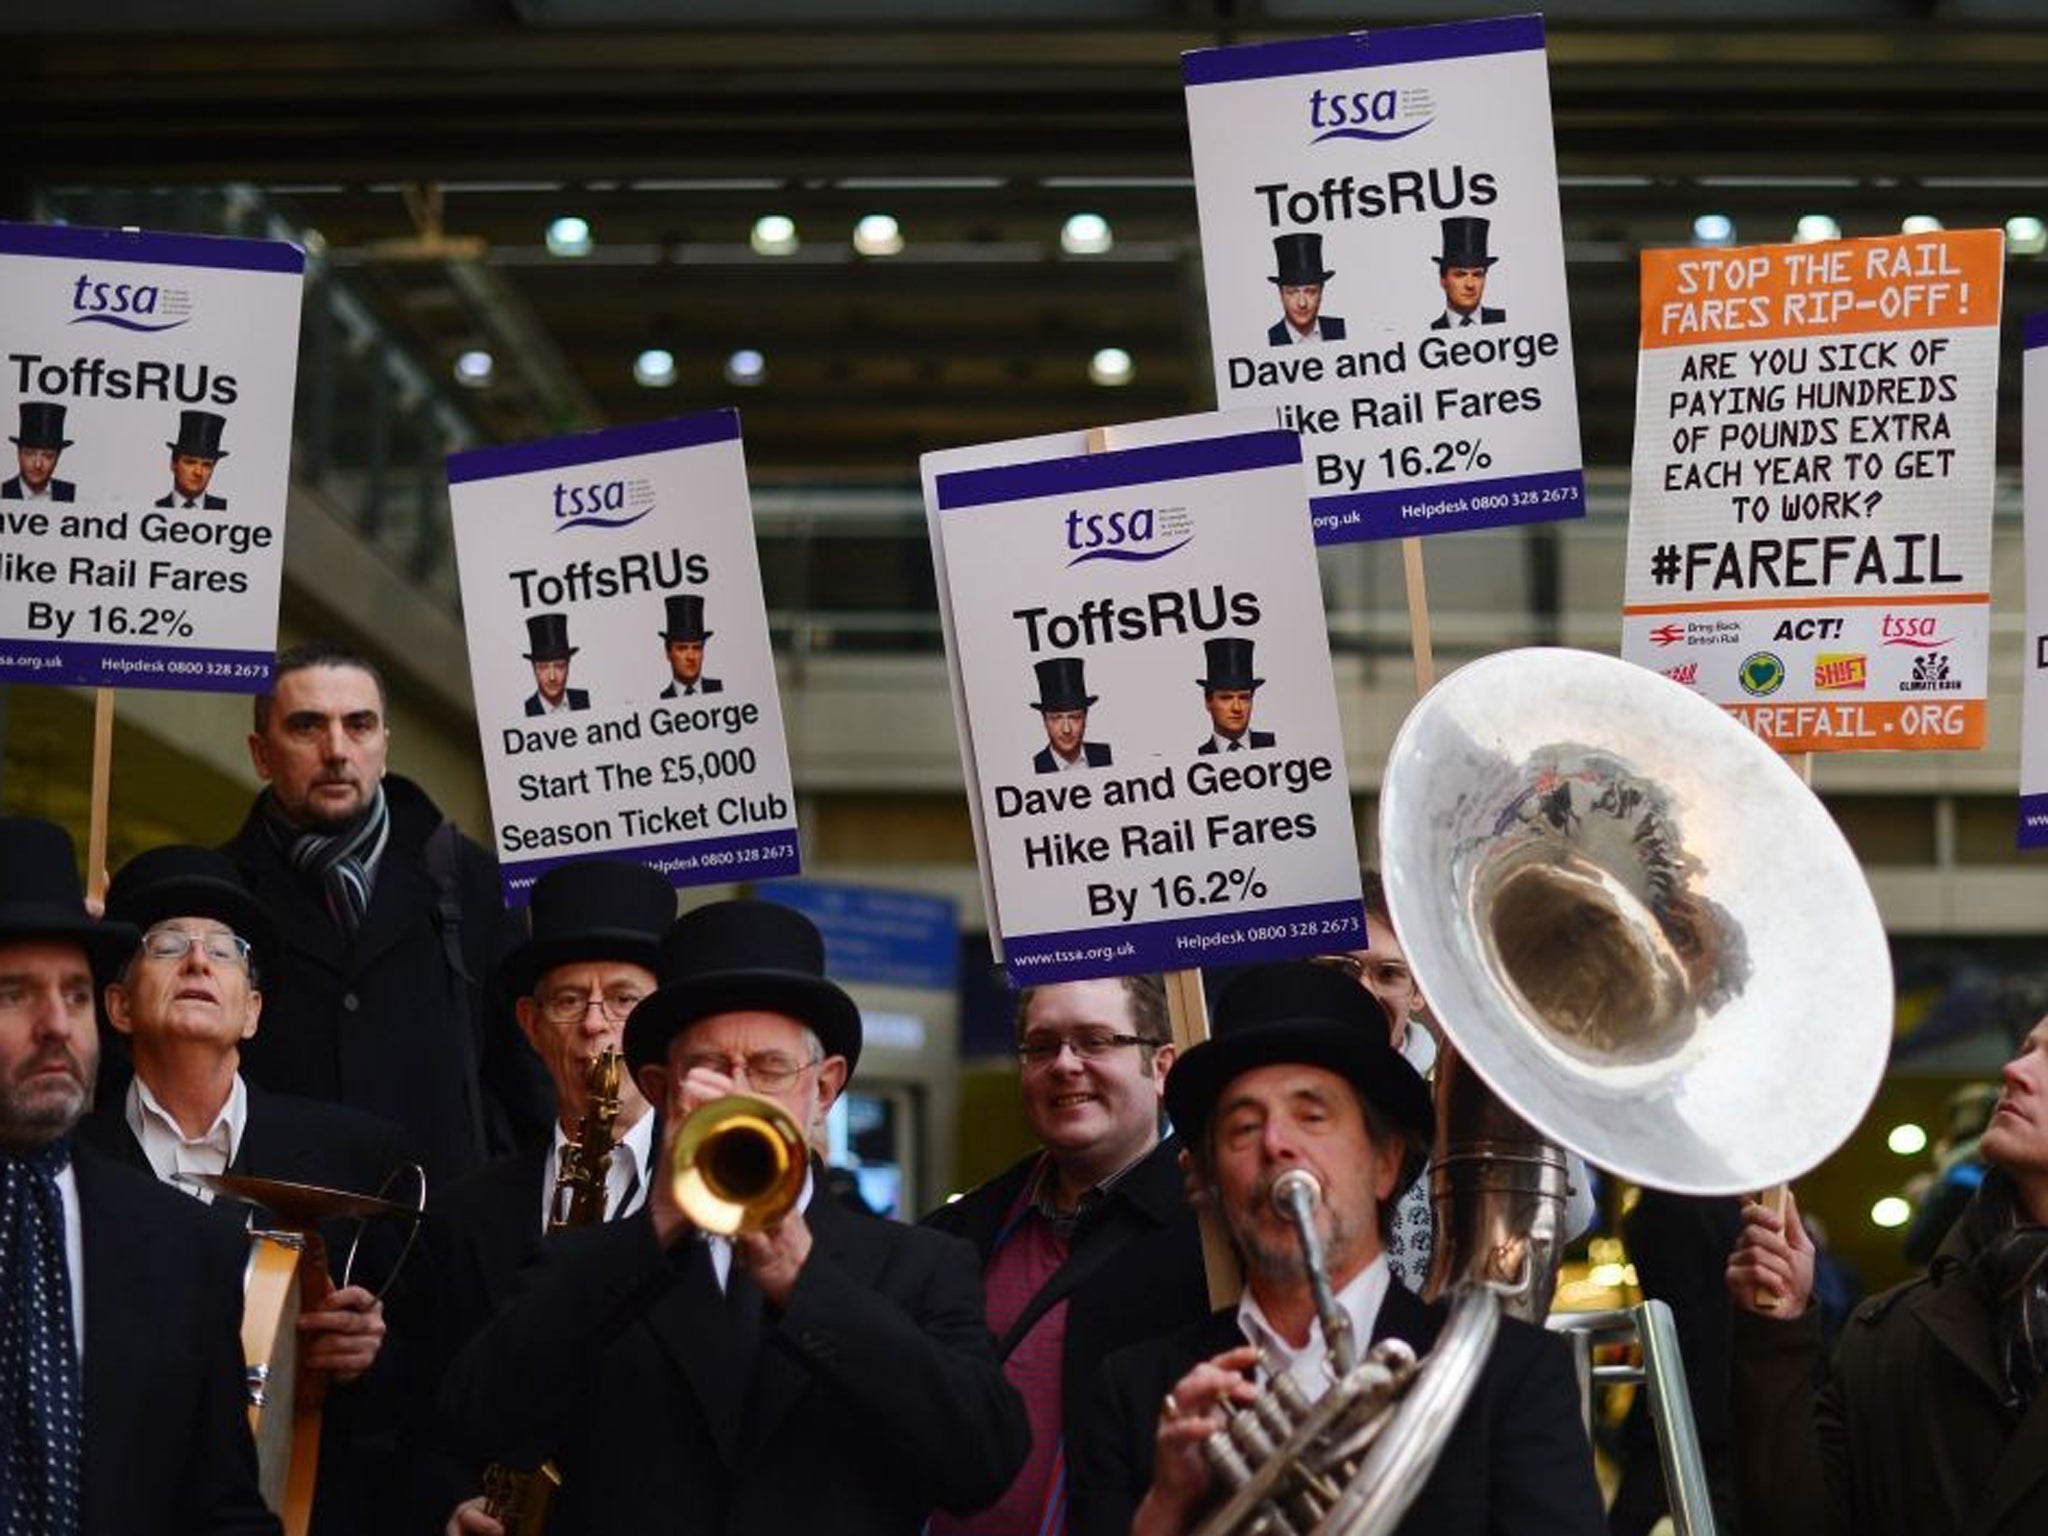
(1762, 674)
(602, 503)
(1378, 116)
(1142, 533)
(128, 306)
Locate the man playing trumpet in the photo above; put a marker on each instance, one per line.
(827, 1372)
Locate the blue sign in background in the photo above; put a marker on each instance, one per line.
(884, 938)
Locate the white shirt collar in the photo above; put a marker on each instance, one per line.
(74, 1251)
(1069, 764)
(42, 495)
(559, 707)
(625, 1177)
(1225, 743)
(1360, 1300)
(1454, 320)
(171, 1152)
(1299, 338)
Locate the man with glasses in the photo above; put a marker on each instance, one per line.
(587, 963)
(1086, 1244)
(186, 1000)
(121, 1386)
(830, 1372)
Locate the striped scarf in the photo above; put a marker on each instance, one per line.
(345, 862)
(2011, 1258)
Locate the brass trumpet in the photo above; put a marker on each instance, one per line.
(738, 1164)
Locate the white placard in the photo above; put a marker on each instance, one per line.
(1405, 182)
(1148, 716)
(146, 388)
(2034, 669)
(625, 686)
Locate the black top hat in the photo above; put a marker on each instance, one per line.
(1299, 261)
(199, 435)
(1061, 684)
(42, 426)
(742, 955)
(1297, 1012)
(685, 618)
(593, 909)
(1229, 664)
(40, 896)
(181, 880)
(547, 637)
(1465, 243)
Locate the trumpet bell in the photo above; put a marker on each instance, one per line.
(1658, 950)
(738, 1164)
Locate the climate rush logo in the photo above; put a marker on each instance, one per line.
(602, 504)
(1143, 533)
(1372, 115)
(128, 306)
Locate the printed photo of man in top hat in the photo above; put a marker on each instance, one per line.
(1299, 275)
(1227, 694)
(548, 648)
(684, 634)
(1063, 700)
(37, 447)
(193, 457)
(1461, 268)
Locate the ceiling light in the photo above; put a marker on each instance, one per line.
(2026, 235)
(473, 369)
(1907, 1139)
(774, 235)
(1086, 234)
(877, 234)
(569, 236)
(1111, 367)
(1891, 1211)
(1713, 229)
(655, 368)
(746, 367)
(1815, 227)
(1919, 224)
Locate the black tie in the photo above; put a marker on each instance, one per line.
(41, 1397)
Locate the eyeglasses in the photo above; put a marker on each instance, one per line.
(176, 944)
(769, 1071)
(1089, 1045)
(569, 1007)
(1367, 969)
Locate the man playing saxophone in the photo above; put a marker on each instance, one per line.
(826, 1372)
(1299, 1076)
(596, 930)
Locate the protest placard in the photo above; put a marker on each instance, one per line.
(596, 571)
(1148, 716)
(2034, 665)
(1810, 507)
(1385, 270)
(146, 390)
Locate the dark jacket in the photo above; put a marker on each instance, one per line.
(1281, 334)
(1516, 1464)
(1253, 741)
(60, 490)
(1134, 1271)
(303, 1141)
(385, 1022)
(872, 1398)
(575, 698)
(704, 685)
(1486, 317)
(1907, 1438)
(1094, 753)
(167, 1446)
(207, 502)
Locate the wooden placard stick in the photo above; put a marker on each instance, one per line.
(1418, 616)
(102, 793)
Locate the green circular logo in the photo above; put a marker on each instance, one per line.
(1762, 673)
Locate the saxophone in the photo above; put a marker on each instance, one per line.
(518, 1499)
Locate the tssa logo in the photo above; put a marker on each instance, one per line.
(1143, 533)
(130, 306)
(1370, 115)
(602, 504)
(1916, 630)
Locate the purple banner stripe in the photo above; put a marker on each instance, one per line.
(1453, 508)
(720, 426)
(1180, 943)
(696, 861)
(1357, 50)
(2037, 331)
(168, 250)
(1126, 466)
(2034, 821)
(90, 664)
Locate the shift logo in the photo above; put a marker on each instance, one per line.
(1140, 534)
(1378, 116)
(128, 306)
(602, 504)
